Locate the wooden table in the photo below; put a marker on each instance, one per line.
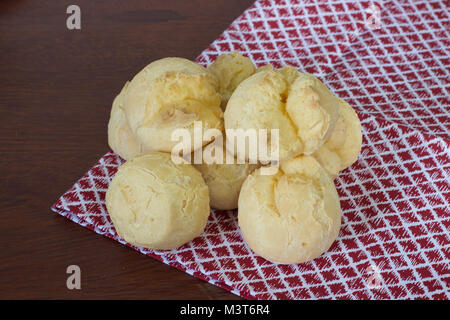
(56, 89)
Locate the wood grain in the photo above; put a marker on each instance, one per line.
(56, 89)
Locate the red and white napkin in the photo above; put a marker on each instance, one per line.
(390, 60)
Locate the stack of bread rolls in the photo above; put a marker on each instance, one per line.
(291, 216)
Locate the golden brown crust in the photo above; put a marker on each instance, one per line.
(344, 144)
(120, 138)
(298, 105)
(313, 109)
(293, 216)
(231, 69)
(224, 181)
(171, 94)
(157, 204)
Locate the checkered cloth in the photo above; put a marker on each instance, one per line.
(390, 61)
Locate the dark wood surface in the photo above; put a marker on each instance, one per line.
(56, 89)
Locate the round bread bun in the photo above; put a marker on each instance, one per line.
(120, 138)
(231, 69)
(224, 180)
(293, 216)
(157, 204)
(169, 94)
(344, 144)
(298, 105)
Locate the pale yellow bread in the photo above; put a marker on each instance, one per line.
(224, 180)
(289, 73)
(120, 138)
(169, 94)
(293, 216)
(231, 69)
(313, 109)
(344, 144)
(157, 204)
(257, 103)
(298, 105)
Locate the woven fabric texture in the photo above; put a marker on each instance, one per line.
(388, 59)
